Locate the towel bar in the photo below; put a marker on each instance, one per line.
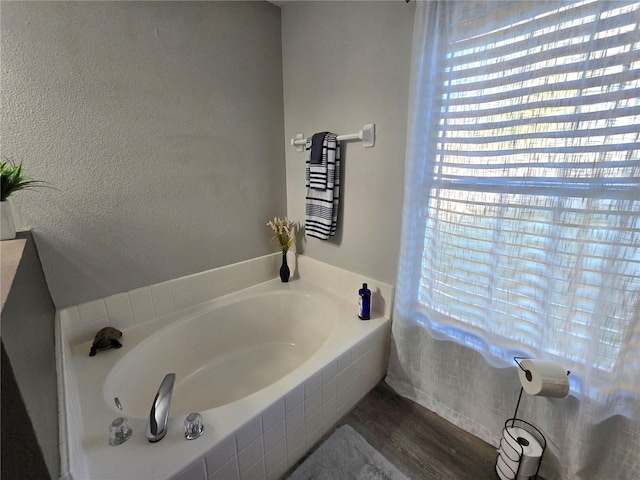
(367, 135)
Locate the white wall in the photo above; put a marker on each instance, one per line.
(161, 126)
(347, 64)
(28, 338)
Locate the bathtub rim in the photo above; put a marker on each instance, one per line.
(254, 404)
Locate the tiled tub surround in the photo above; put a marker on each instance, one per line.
(259, 436)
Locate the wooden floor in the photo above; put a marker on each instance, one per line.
(418, 442)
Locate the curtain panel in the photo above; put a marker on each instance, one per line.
(521, 222)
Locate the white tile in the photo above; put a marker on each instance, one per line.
(343, 396)
(360, 349)
(220, 289)
(274, 435)
(241, 269)
(255, 472)
(85, 332)
(296, 454)
(275, 456)
(328, 409)
(295, 439)
(313, 438)
(62, 432)
(226, 273)
(256, 268)
(204, 295)
(294, 419)
(329, 422)
(93, 311)
(380, 335)
(353, 390)
(121, 321)
(270, 265)
(64, 460)
(370, 360)
(69, 317)
(195, 472)
(228, 471)
(162, 299)
(273, 415)
(343, 403)
(140, 298)
(329, 390)
(361, 389)
(313, 384)
(313, 421)
(220, 455)
(211, 277)
(250, 455)
(343, 362)
(373, 374)
(118, 303)
(248, 433)
(293, 399)
(313, 403)
(143, 315)
(278, 471)
(181, 292)
(200, 296)
(343, 379)
(198, 281)
(329, 373)
(240, 283)
(356, 368)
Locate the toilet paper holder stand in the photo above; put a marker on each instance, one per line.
(531, 429)
(506, 471)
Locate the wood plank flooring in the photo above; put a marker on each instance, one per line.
(418, 442)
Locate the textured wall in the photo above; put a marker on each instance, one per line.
(161, 126)
(347, 64)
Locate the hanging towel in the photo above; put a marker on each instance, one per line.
(316, 147)
(323, 195)
(317, 162)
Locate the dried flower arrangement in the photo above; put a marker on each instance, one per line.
(284, 230)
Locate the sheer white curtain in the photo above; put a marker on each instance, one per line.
(521, 223)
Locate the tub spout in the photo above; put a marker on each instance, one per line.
(157, 424)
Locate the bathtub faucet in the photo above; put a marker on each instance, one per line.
(157, 424)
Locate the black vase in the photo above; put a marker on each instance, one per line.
(284, 269)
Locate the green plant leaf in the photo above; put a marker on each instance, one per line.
(12, 178)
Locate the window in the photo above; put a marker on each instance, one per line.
(530, 195)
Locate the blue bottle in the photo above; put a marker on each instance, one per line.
(364, 303)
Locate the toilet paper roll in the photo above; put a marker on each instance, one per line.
(543, 378)
(518, 449)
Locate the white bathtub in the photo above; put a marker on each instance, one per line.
(255, 337)
(270, 368)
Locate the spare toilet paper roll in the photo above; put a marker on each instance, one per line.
(518, 448)
(543, 378)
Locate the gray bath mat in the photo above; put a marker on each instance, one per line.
(345, 455)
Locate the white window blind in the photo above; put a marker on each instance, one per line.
(529, 197)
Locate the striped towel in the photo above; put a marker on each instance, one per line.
(323, 189)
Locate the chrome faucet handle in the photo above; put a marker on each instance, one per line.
(157, 424)
(119, 431)
(193, 426)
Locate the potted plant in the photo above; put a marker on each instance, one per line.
(12, 179)
(284, 239)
